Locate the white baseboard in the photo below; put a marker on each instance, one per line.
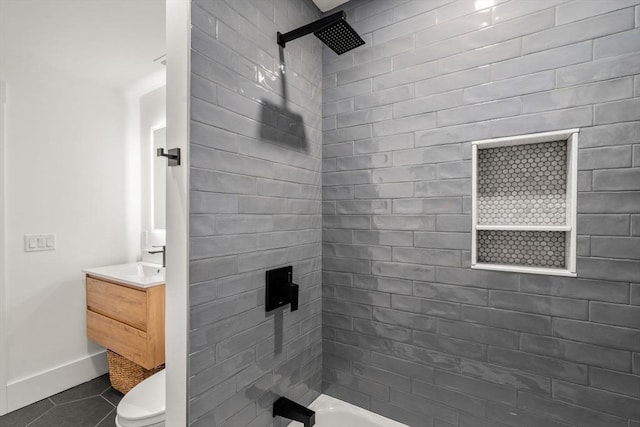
(29, 390)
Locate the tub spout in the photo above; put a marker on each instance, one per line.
(289, 409)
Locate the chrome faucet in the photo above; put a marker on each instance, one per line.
(163, 251)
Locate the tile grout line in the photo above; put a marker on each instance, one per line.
(43, 414)
(105, 417)
(79, 400)
(108, 401)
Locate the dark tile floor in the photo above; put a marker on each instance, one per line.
(92, 404)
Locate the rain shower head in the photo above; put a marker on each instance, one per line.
(333, 30)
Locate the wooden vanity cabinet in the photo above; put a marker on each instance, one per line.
(127, 320)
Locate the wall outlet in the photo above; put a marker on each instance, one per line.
(39, 242)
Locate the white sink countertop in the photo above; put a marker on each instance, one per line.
(140, 274)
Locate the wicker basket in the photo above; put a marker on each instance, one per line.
(124, 374)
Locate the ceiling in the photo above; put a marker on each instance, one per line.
(113, 42)
(325, 5)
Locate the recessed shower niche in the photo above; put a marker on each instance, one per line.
(524, 201)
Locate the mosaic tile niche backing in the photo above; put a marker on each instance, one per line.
(529, 248)
(523, 184)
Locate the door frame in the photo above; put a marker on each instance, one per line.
(178, 29)
(3, 299)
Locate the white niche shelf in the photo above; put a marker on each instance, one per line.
(524, 203)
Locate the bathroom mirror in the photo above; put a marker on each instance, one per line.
(158, 216)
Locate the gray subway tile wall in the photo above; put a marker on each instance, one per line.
(370, 203)
(409, 330)
(255, 203)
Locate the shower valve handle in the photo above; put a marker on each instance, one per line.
(293, 296)
(280, 289)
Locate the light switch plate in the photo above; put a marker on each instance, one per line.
(39, 242)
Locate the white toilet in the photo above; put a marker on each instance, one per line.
(144, 405)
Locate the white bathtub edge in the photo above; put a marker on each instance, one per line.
(327, 403)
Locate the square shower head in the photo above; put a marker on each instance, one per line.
(339, 36)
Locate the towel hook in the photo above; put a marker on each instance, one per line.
(173, 155)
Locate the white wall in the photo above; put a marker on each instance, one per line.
(66, 154)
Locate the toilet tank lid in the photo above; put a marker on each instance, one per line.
(146, 400)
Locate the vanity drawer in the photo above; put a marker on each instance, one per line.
(125, 340)
(118, 302)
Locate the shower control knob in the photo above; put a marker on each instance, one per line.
(280, 289)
